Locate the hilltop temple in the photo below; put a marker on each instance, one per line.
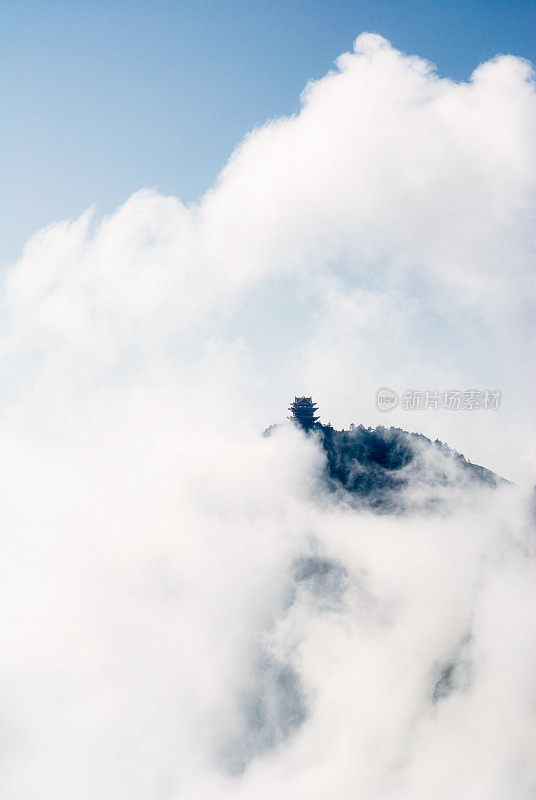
(303, 412)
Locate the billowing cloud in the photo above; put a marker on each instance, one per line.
(188, 613)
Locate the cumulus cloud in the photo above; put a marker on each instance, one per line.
(188, 612)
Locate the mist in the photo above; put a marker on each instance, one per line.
(189, 609)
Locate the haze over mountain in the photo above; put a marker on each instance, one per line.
(194, 611)
(382, 467)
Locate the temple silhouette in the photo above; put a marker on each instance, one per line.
(303, 412)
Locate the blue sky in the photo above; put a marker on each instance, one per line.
(102, 98)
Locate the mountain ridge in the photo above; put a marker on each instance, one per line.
(380, 466)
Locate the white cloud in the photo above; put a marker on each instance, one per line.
(157, 639)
